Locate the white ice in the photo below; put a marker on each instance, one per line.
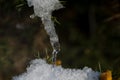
(44, 9)
(40, 70)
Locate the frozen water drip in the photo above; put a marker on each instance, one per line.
(44, 9)
(56, 49)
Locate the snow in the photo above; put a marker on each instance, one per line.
(40, 70)
(44, 9)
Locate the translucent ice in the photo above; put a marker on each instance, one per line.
(40, 70)
(43, 9)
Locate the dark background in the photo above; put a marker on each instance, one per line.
(89, 33)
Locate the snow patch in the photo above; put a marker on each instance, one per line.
(40, 70)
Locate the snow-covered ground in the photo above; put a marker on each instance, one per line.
(40, 70)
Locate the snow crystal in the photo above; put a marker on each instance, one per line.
(40, 70)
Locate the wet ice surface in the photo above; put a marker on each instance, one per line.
(44, 9)
(40, 70)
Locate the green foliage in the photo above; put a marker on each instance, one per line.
(20, 4)
(55, 20)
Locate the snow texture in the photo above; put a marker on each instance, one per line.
(40, 70)
(43, 9)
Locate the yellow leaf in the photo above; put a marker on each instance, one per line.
(106, 75)
(58, 62)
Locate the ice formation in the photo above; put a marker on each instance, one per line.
(40, 70)
(43, 9)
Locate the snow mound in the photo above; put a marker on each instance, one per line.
(40, 70)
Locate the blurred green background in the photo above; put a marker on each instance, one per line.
(89, 33)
